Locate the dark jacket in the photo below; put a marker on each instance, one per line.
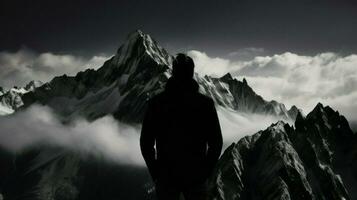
(181, 138)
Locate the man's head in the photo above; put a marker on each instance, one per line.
(183, 67)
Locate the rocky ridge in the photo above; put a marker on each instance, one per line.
(316, 159)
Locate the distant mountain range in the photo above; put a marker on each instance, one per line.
(139, 70)
(314, 159)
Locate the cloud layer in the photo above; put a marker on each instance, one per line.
(294, 79)
(104, 137)
(18, 68)
(236, 125)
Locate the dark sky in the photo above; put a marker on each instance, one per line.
(216, 27)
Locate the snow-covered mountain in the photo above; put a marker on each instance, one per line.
(316, 159)
(11, 100)
(139, 70)
(237, 95)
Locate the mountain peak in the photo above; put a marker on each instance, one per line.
(278, 126)
(227, 77)
(245, 81)
(137, 35)
(293, 112)
(33, 85)
(293, 107)
(317, 111)
(299, 121)
(325, 116)
(319, 105)
(139, 43)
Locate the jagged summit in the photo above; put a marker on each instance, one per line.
(293, 107)
(313, 161)
(33, 85)
(293, 111)
(321, 110)
(319, 107)
(138, 43)
(227, 77)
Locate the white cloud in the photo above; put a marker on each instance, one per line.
(246, 53)
(294, 79)
(18, 68)
(104, 137)
(236, 125)
(210, 66)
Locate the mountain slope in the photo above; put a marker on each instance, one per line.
(314, 160)
(238, 95)
(120, 87)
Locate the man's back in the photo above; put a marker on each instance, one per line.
(183, 126)
(184, 121)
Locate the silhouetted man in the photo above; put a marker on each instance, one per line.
(181, 138)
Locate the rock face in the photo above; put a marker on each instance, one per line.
(11, 100)
(138, 71)
(314, 160)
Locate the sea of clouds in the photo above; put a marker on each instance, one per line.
(105, 137)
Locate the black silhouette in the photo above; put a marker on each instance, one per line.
(181, 138)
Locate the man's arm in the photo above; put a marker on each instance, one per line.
(215, 140)
(147, 142)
